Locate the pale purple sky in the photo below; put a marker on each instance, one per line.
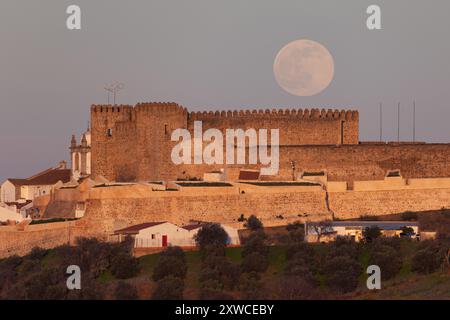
(212, 55)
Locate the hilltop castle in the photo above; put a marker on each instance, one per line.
(134, 144)
(337, 176)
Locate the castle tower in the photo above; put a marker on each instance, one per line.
(133, 143)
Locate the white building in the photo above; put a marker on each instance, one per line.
(354, 229)
(9, 214)
(13, 190)
(163, 234)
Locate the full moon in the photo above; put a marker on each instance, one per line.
(303, 68)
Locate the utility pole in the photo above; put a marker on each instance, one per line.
(381, 122)
(414, 121)
(398, 122)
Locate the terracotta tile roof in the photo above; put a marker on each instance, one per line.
(50, 176)
(136, 228)
(18, 182)
(47, 177)
(190, 227)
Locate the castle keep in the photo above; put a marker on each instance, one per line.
(134, 144)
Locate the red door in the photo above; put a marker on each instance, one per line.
(164, 240)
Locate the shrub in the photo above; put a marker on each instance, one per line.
(296, 288)
(255, 262)
(428, 258)
(169, 266)
(299, 249)
(407, 231)
(425, 262)
(124, 266)
(388, 259)
(342, 273)
(213, 250)
(211, 234)
(47, 284)
(221, 269)
(213, 290)
(30, 266)
(250, 286)
(343, 247)
(241, 218)
(393, 242)
(253, 223)
(125, 291)
(371, 233)
(300, 269)
(93, 255)
(169, 288)
(255, 243)
(37, 253)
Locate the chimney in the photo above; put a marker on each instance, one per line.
(62, 165)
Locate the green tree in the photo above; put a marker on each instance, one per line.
(125, 291)
(253, 223)
(371, 233)
(169, 266)
(342, 273)
(169, 288)
(388, 259)
(211, 234)
(124, 266)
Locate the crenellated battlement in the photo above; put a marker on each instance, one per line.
(107, 108)
(159, 107)
(172, 107)
(307, 114)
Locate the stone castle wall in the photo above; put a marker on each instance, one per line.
(134, 143)
(14, 241)
(115, 207)
(106, 215)
(353, 204)
(349, 162)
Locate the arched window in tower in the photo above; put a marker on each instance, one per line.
(109, 132)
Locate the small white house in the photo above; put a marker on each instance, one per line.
(163, 234)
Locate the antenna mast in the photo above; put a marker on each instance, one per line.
(114, 89)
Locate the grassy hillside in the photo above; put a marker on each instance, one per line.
(406, 285)
(42, 275)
